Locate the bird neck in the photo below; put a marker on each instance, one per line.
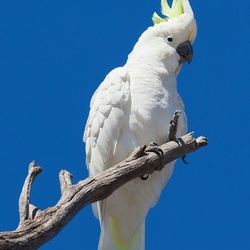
(153, 72)
(159, 63)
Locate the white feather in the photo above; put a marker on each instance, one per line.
(133, 106)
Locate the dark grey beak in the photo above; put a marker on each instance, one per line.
(185, 51)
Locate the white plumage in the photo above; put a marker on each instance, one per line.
(132, 107)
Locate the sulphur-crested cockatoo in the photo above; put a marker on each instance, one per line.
(133, 106)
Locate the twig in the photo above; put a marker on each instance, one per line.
(24, 205)
(65, 180)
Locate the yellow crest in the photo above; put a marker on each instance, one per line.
(175, 11)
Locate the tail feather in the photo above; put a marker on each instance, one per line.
(110, 240)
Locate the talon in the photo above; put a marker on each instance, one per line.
(153, 143)
(153, 147)
(145, 177)
(160, 152)
(177, 112)
(173, 126)
(173, 123)
(183, 159)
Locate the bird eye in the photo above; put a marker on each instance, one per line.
(170, 38)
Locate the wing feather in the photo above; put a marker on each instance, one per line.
(105, 119)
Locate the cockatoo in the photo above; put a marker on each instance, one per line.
(133, 106)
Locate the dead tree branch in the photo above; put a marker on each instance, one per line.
(37, 227)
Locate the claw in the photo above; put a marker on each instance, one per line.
(145, 177)
(173, 126)
(153, 147)
(183, 159)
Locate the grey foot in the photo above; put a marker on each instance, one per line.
(173, 126)
(153, 147)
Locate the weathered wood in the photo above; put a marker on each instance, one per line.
(24, 200)
(34, 231)
(65, 180)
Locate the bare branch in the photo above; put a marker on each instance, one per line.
(34, 231)
(65, 180)
(25, 194)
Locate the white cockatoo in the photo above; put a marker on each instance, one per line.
(133, 106)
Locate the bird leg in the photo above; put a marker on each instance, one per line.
(153, 147)
(173, 126)
(173, 130)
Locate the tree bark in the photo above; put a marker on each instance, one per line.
(37, 227)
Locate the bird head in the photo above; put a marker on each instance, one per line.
(180, 27)
(170, 39)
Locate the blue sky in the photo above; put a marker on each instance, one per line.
(54, 54)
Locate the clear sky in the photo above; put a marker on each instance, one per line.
(54, 54)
